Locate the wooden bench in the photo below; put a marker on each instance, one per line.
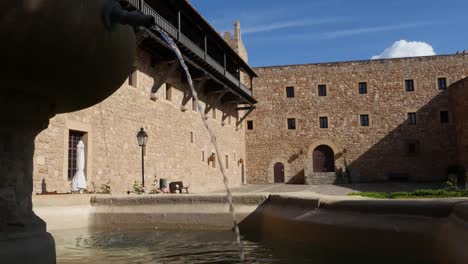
(178, 186)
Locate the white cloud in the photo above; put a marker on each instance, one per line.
(403, 48)
(286, 24)
(366, 30)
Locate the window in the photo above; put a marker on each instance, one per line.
(363, 88)
(409, 85)
(323, 122)
(168, 91)
(213, 160)
(213, 112)
(74, 138)
(194, 104)
(411, 118)
(291, 123)
(322, 90)
(412, 147)
(290, 92)
(364, 120)
(250, 125)
(444, 117)
(227, 162)
(132, 79)
(191, 137)
(442, 83)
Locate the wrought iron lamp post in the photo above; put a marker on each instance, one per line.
(142, 137)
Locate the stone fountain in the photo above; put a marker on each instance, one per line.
(58, 56)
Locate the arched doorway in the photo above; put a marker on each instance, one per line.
(323, 159)
(279, 172)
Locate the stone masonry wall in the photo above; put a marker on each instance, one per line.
(459, 108)
(112, 150)
(373, 153)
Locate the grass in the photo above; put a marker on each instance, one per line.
(418, 194)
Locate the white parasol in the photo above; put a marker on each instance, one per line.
(79, 180)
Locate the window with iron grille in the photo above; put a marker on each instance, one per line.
(73, 140)
(322, 90)
(409, 85)
(363, 88)
(364, 120)
(291, 123)
(411, 118)
(250, 125)
(290, 92)
(323, 122)
(444, 117)
(442, 83)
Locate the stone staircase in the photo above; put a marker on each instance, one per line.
(324, 178)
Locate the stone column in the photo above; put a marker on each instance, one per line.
(23, 236)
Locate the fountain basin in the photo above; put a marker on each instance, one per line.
(431, 231)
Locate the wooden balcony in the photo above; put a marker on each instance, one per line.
(197, 54)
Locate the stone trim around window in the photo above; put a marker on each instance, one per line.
(87, 129)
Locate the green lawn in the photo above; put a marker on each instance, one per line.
(441, 193)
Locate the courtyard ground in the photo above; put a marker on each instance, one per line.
(339, 190)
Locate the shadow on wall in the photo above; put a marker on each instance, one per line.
(299, 178)
(411, 152)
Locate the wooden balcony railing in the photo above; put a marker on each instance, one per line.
(184, 40)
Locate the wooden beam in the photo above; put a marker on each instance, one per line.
(216, 101)
(158, 82)
(188, 93)
(246, 115)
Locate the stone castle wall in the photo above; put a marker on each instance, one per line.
(373, 153)
(459, 108)
(112, 150)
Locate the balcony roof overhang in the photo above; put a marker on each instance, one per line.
(196, 57)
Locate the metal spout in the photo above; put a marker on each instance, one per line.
(115, 14)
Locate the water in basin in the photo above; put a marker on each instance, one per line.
(165, 246)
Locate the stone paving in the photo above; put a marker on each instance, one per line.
(340, 190)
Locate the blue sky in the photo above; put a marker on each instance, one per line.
(279, 32)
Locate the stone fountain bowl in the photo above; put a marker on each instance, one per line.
(60, 52)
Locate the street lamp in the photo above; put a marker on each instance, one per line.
(142, 137)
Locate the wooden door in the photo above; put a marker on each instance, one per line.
(279, 172)
(323, 159)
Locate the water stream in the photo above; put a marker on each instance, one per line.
(177, 52)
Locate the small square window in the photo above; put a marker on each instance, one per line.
(322, 90)
(323, 122)
(411, 118)
(168, 91)
(250, 125)
(444, 117)
(412, 147)
(364, 120)
(442, 83)
(291, 123)
(290, 92)
(409, 85)
(363, 88)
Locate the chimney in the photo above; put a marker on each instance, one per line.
(237, 31)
